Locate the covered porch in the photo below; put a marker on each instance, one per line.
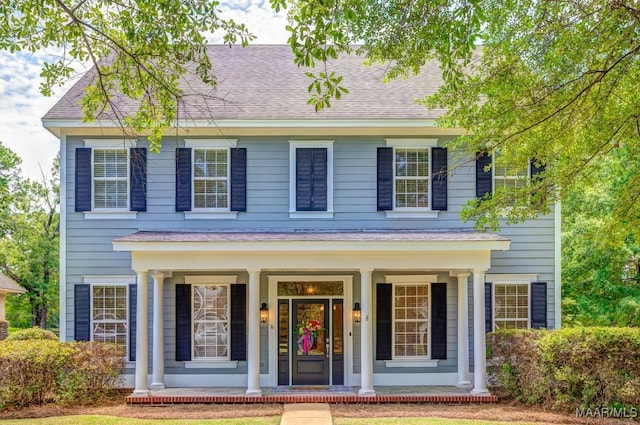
(263, 256)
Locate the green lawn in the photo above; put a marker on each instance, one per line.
(111, 420)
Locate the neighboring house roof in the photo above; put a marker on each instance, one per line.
(9, 286)
(314, 236)
(261, 82)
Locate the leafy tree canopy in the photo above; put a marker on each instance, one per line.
(140, 49)
(555, 82)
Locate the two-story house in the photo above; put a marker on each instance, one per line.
(268, 244)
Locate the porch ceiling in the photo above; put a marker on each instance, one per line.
(311, 249)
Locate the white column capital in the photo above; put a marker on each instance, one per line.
(160, 274)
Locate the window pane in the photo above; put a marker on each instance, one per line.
(210, 188)
(109, 314)
(511, 310)
(110, 169)
(210, 321)
(411, 310)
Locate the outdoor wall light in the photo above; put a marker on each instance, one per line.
(264, 313)
(356, 313)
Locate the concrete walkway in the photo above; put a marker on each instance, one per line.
(306, 414)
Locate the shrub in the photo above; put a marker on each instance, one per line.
(568, 368)
(32, 333)
(42, 371)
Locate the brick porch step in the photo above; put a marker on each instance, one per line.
(309, 398)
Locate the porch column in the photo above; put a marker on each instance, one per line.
(2, 317)
(253, 351)
(157, 380)
(479, 337)
(366, 335)
(463, 332)
(142, 334)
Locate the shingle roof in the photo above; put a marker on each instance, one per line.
(8, 285)
(261, 82)
(313, 236)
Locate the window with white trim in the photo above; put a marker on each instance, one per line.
(507, 175)
(109, 312)
(211, 179)
(211, 322)
(412, 178)
(411, 321)
(511, 305)
(111, 179)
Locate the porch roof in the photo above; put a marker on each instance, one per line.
(315, 239)
(9, 286)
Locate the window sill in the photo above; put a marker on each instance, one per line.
(411, 363)
(412, 214)
(110, 215)
(208, 215)
(211, 364)
(310, 214)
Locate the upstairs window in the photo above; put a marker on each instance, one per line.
(508, 176)
(411, 169)
(110, 178)
(494, 172)
(211, 179)
(412, 178)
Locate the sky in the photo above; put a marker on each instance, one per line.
(22, 106)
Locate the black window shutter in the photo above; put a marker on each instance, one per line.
(319, 178)
(83, 179)
(238, 179)
(138, 170)
(535, 169)
(488, 307)
(133, 315)
(183, 179)
(82, 312)
(385, 179)
(438, 321)
(183, 322)
(311, 179)
(384, 301)
(539, 305)
(304, 158)
(484, 183)
(439, 179)
(238, 322)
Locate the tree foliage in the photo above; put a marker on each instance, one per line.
(601, 261)
(29, 248)
(554, 82)
(140, 49)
